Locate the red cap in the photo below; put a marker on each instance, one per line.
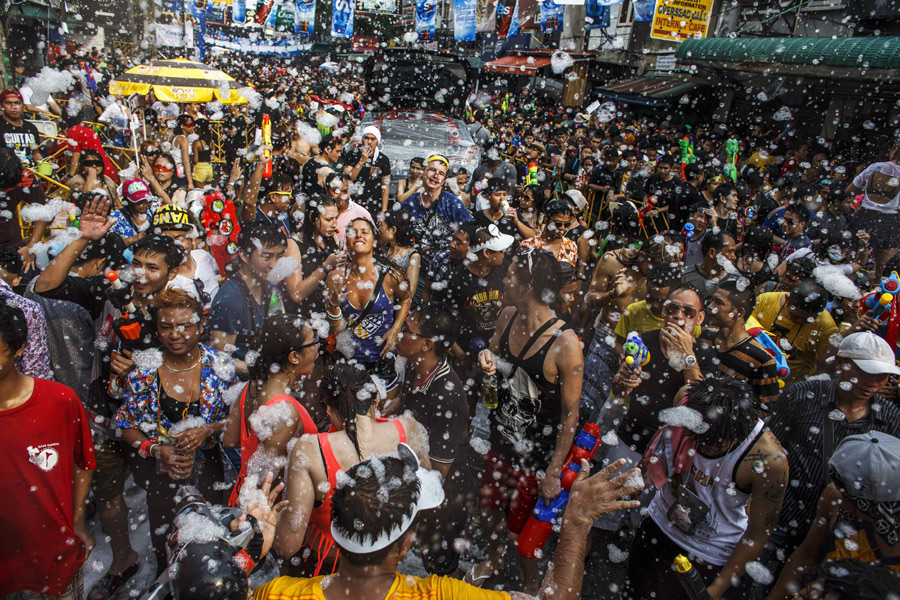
(10, 92)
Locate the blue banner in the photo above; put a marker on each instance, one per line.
(596, 14)
(514, 22)
(304, 16)
(426, 11)
(551, 17)
(342, 19)
(464, 20)
(643, 10)
(239, 11)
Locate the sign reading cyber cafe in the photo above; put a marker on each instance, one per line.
(678, 20)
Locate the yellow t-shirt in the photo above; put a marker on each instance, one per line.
(638, 317)
(406, 587)
(808, 341)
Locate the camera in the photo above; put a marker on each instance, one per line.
(202, 552)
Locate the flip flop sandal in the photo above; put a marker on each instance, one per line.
(109, 585)
(475, 581)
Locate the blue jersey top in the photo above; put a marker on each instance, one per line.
(367, 334)
(435, 225)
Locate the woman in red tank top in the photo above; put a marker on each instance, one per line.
(268, 417)
(316, 464)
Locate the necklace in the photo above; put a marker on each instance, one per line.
(190, 368)
(286, 384)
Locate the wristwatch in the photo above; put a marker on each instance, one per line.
(690, 360)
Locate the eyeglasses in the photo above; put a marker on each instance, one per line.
(315, 342)
(281, 193)
(162, 169)
(405, 330)
(439, 173)
(673, 308)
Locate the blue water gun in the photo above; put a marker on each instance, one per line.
(540, 523)
(878, 303)
(688, 232)
(759, 333)
(636, 352)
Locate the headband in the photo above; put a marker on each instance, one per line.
(439, 157)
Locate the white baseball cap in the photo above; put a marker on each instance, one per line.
(577, 199)
(499, 242)
(870, 353)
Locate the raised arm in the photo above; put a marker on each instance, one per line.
(300, 494)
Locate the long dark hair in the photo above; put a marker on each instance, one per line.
(344, 388)
(402, 222)
(281, 334)
(309, 233)
(728, 405)
(378, 254)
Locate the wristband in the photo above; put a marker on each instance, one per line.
(144, 448)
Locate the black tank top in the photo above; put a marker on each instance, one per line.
(526, 422)
(175, 410)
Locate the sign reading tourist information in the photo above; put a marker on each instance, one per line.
(678, 20)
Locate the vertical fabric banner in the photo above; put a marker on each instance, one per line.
(551, 17)
(644, 9)
(514, 22)
(485, 16)
(426, 13)
(239, 11)
(273, 15)
(464, 20)
(342, 19)
(597, 14)
(505, 10)
(305, 17)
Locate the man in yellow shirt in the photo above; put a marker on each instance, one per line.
(801, 324)
(374, 510)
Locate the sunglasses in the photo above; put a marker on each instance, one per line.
(560, 224)
(281, 193)
(93, 163)
(188, 125)
(162, 169)
(673, 308)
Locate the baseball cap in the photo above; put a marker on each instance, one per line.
(172, 216)
(870, 353)
(431, 495)
(136, 190)
(867, 466)
(499, 242)
(577, 199)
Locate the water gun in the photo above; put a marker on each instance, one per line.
(765, 339)
(636, 352)
(267, 142)
(128, 328)
(219, 220)
(731, 151)
(505, 104)
(531, 178)
(878, 304)
(687, 152)
(688, 233)
(690, 579)
(540, 523)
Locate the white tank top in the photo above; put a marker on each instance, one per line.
(712, 480)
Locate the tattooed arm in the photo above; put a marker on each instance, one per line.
(764, 471)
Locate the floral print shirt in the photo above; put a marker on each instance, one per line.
(140, 409)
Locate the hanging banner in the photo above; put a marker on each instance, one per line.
(169, 35)
(514, 22)
(304, 17)
(643, 10)
(216, 13)
(505, 9)
(426, 12)
(485, 16)
(263, 11)
(678, 20)
(596, 15)
(551, 17)
(464, 20)
(239, 12)
(342, 19)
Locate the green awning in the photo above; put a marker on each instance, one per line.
(858, 53)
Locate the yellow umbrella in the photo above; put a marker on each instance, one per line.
(178, 80)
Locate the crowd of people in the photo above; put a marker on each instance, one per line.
(371, 366)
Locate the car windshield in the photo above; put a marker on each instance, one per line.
(408, 135)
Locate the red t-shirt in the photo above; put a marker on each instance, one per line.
(81, 138)
(41, 442)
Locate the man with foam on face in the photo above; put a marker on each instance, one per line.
(369, 167)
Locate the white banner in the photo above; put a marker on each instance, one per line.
(170, 35)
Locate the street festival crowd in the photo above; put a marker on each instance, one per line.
(668, 348)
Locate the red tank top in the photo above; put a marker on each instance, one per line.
(320, 519)
(250, 442)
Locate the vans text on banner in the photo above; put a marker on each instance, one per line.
(678, 20)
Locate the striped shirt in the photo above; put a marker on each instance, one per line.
(749, 361)
(797, 421)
